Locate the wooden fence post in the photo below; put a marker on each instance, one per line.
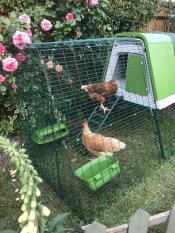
(95, 227)
(139, 222)
(171, 221)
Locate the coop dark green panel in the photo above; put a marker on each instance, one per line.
(136, 75)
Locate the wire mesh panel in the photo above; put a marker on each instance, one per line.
(89, 119)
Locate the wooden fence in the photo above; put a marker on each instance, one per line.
(158, 24)
(138, 223)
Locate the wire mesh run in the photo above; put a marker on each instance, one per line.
(89, 119)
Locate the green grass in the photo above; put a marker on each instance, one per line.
(154, 194)
(9, 207)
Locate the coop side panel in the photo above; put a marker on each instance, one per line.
(162, 64)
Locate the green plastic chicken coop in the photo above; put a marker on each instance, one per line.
(153, 68)
(140, 114)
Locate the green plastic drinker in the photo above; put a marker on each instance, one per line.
(50, 133)
(98, 172)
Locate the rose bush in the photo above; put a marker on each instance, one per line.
(13, 36)
(20, 29)
(78, 19)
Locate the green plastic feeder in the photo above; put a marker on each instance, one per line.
(98, 172)
(50, 133)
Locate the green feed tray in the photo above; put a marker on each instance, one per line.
(50, 133)
(98, 172)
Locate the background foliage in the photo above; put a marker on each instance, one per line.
(104, 19)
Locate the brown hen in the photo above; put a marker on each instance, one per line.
(101, 91)
(99, 145)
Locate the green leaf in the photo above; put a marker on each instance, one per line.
(60, 229)
(1, 37)
(57, 222)
(3, 89)
(13, 14)
(6, 21)
(78, 18)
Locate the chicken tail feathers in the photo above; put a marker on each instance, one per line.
(99, 153)
(120, 146)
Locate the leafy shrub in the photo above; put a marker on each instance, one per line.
(131, 15)
(102, 20)
(171, 9)
(6, 6)
(7, 126)
(89, 21)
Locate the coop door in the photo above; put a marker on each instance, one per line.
(136, 80)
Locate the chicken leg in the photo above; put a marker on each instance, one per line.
(104, 108)
(84, 87)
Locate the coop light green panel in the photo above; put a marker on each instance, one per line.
(162, 64)
(136, 75)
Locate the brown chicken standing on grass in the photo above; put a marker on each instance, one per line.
(101, 91)
(99, 145)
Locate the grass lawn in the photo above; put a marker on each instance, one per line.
(154, 194)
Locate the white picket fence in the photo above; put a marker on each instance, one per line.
(138, 223)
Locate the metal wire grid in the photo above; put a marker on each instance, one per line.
(130, 121)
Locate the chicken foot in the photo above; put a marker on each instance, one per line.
(84, 87)
(104, 108)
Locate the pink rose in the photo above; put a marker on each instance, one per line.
(20, 57)
(2, 48)
(9, 64)
(20, 38)
(69, 16)
(2, 78)
(29, 32)
(14, 86)
(49, 64)
(46, 25)
(25, 18)
(59, 68)
(94, 2)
